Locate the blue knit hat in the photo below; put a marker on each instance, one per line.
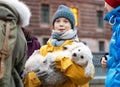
(64, 11)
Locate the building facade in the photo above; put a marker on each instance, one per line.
(89, 14)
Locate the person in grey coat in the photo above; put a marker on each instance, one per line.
(18, 15)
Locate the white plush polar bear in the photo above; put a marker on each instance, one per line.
(78, 52)
(34, 62)
(82, 55)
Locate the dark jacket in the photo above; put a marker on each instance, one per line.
(33, 44)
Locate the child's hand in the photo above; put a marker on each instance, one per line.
(41, 74)
(53, 66)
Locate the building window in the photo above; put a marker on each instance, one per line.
(100, 19)
(75, 12)
(101, 46)
(45, 13)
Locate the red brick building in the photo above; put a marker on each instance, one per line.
(89, 14)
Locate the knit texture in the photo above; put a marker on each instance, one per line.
(113, 3)
(64, 11)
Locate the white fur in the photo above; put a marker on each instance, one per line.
(78, 49)
(55, 77)
(34, 62)
(78, 52)
(50, 57)
(22, 9)
(82, 56)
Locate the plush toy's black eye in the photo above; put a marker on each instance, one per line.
(45, 61)
(82, 57)
(78, 49)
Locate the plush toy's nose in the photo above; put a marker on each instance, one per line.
(74, 54)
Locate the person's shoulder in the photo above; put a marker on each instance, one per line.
(35, 39)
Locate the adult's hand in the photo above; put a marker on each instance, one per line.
(103, 62)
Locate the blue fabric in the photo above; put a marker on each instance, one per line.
(113, 63)
(64, 11)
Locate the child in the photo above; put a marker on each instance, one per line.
(64, 33)
(113, 58)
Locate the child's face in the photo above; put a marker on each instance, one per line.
(62, 25)
(108, 7)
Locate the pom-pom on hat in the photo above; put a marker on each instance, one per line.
(64, 11)
(113, 3)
